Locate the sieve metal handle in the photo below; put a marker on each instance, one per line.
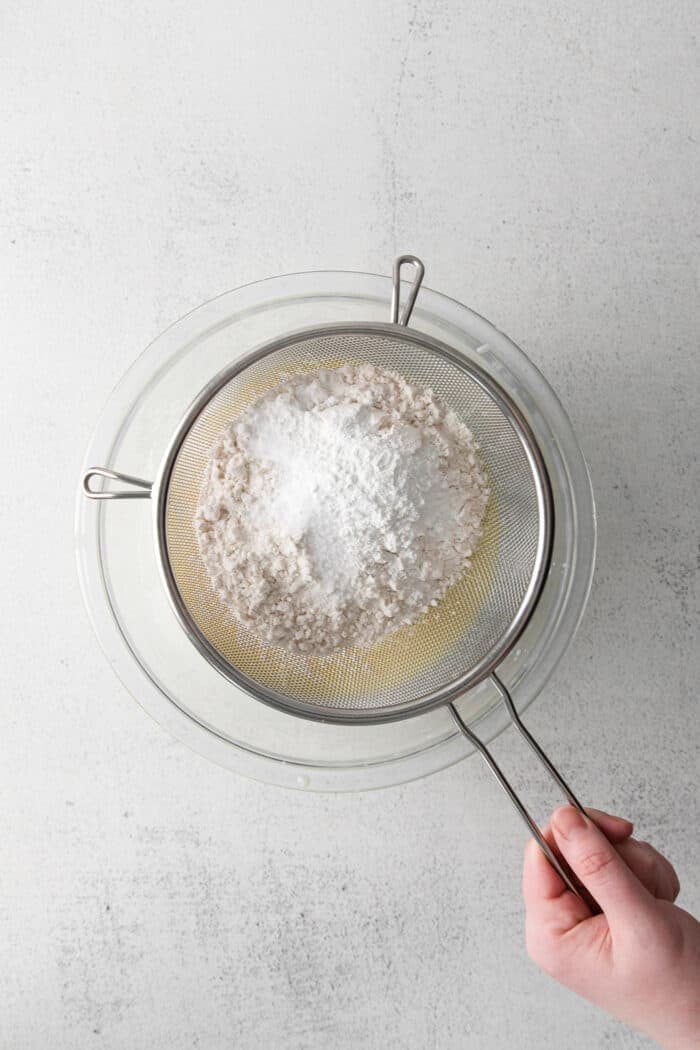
(141, 489)
(558, 863)
(399, 262)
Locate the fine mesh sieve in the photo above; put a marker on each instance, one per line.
(453, 646)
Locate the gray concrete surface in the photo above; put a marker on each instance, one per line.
(544, 158)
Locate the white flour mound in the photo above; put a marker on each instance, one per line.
(338, 507)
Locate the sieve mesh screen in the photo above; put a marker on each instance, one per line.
(455, 640)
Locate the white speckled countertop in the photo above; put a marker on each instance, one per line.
(543, 159)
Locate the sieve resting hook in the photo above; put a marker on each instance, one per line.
(399, 262)
(140, 489)
(558, 863)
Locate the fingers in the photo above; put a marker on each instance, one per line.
(598, 865)
(620, 872)
(651, 868)
(540, 880)
(615, 829)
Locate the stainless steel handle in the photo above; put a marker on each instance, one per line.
(558, 863)
(141, 489)
(399, 261)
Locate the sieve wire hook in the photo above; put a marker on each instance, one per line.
(141, 489)
(399, 262)
(558, 863)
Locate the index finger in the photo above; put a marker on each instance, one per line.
(615, 829)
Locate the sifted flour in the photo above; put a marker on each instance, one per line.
(338, 507)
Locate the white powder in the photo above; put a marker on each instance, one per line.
(339, 506)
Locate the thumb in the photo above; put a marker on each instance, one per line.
(598, 865)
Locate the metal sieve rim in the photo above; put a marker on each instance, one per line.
(435, 698)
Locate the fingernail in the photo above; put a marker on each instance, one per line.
(568, 822)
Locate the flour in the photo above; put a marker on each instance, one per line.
(338, 507)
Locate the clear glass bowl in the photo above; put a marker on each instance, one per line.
(127, 603)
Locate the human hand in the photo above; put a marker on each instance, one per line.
(639, 959)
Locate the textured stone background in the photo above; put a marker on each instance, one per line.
(543, 158)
